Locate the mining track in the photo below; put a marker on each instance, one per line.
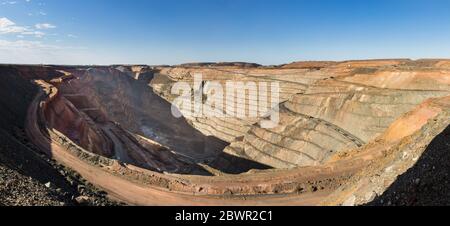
(331, 182)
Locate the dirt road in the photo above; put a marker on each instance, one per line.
(282, 184)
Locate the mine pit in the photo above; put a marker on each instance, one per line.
(339, 126)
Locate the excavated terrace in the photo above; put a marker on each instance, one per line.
(342, 125)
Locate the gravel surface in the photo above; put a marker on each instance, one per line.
(31, 179)
(427, 183)
(26, 177)
(19, 190)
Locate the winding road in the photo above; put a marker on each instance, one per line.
(134, 192)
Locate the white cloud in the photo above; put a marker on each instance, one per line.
(9, 27)
(9, 3)
(37, 52)
(5, 22)
(33, 45)
(37, 34)
(44, 26)
(17, 47)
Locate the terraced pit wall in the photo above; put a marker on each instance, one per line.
(333, 132)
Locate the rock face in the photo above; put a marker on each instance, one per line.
(346, 130)
(323, 111)
(426, 183)
(86, 111)
(66, 114)
(132, 104)
(291, 82)
(408, 137)
(24, 172)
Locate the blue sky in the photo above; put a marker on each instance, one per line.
(262, 31)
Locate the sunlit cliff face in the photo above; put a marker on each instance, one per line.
(115, 112)
(334, 120)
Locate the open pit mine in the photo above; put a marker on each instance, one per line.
(372, 132)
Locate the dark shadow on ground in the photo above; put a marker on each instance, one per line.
(235, 165)
(425, 184)
(149, 115)
(17, 156)
(27, 175)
